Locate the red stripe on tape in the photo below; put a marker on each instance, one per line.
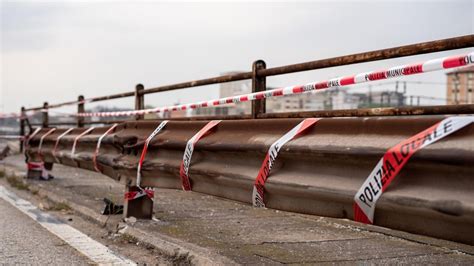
(188, 153)
(347, 81)
(297, 89)
(97, 148)
(455, 61)
(270, 157)
(413, 69)
(55, 149)
(145, 149)
(131, 195)
(277, 92)
(322, 85)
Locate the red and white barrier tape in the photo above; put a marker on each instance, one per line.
(97, 148)
(38, 166)
(57, 143)
(10, 115)
(264, 172)
(28, 138)
(12, 137)
(188, 153)
(19, 115)
(35, 166)
(404, 70)
(145, 149)
(131, 195)
(42, 138)
(73, 150)
(394, 160)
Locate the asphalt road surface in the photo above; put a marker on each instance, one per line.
(24, 241)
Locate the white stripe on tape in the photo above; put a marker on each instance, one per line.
(264, 172)
(145, 149)
(73, 150)
(28, 138)
(97, 148)
(188, 153)
(42, 138)
(57, 143)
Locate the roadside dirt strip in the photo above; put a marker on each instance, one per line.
(202, 229)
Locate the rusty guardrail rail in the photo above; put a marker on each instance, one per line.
(318, 173)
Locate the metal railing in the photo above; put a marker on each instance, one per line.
(258, 76)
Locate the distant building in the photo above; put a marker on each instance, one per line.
(302, 102)
(229, 89)
(173, 114)
(331, 99)
(386, 98)
(341, 99)
(460, 85)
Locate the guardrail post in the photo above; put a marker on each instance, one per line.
(45, 115)
(258, 84)
(22, 126)
(80, 109)
(140, 208)
(139, 100)
(45, 111)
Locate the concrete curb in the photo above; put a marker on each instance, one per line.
(179, 250)
(173, 248)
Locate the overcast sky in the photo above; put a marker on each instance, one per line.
(57, 50)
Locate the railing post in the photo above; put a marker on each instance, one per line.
(22, 126)
(139, 100)
(80, 109)
(45, 115)
(258, 84)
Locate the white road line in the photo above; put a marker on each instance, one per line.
(92, 249)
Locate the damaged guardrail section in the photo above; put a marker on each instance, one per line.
(317, 172)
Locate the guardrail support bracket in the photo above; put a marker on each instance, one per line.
(140, 208)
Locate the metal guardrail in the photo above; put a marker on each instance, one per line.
(317, 173)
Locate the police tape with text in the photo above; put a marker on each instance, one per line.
(394, 160)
